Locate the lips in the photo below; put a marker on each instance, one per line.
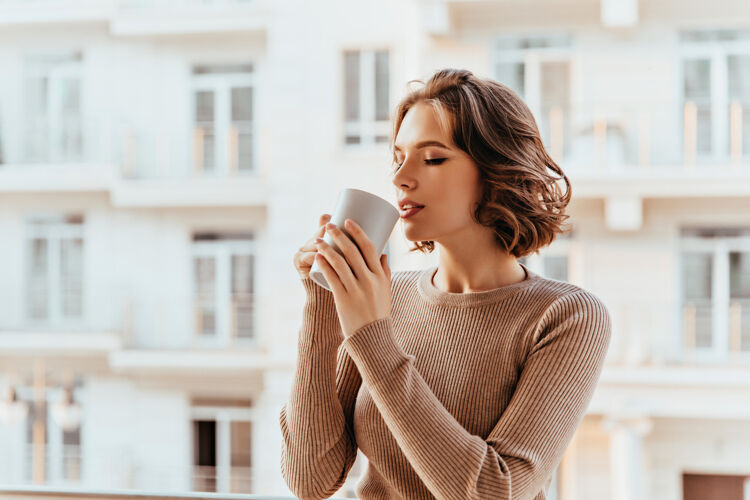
(408, 212)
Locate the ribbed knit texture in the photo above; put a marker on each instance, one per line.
(455, 395)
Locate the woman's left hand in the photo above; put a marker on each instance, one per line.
(361, 296)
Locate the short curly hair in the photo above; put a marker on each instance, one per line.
(521, 201)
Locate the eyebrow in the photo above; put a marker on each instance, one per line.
(424, 144)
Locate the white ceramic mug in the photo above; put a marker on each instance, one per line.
(377, 218)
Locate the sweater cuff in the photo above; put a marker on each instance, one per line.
(374, 350)
(321, 327)
(315, 292)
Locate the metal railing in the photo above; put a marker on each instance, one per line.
(52, 493)
(582, 136)
(133, 152)
(680, 332)
(648, 135)
(147, 322)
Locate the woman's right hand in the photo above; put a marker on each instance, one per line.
(304, 258)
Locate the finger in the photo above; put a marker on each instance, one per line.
(338, 264)
(329, 273)
(351, 253)
(365, 245)
(324, 218)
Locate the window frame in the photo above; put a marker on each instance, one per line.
(367, 127)
(221, 84)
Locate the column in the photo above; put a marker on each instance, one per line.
(626, 455)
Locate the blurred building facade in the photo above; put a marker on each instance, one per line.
(161, 161)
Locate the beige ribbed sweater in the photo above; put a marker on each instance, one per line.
(455, 395)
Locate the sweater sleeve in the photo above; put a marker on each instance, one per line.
(318, 446)
(528, 441)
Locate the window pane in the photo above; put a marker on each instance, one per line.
(205, 288)
(697, 79)
(71, 276)
(241, 459)
(697, 88)
(242, 103)
(242, 295)
(739, 293)
(242, 113)
(382, 80)
(512, 75)
(739, 275)
(555, 83)
(244, 150)
(72, 454)
(36, 113)
(351, 85)
(204, 455)
(696, 279)
(697, 276)
(38, 281)
(204, 117)
(703, 126)
(204, 106)
(739, 90)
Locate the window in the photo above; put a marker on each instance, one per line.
(739, 298)
(223, 276)
(223, 110)
(52, 108)
(538, 69)
(715, 291)
(716, 95)
(222, 446)
(366, 96)
(54, 249)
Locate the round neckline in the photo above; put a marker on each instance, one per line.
(436, 296)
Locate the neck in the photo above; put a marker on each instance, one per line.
(469, 275)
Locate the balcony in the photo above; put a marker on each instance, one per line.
(663, 334)
(137, 167)
(142, 17)
(664, 150)
(149, 336)
(179, 17)
(25, 12)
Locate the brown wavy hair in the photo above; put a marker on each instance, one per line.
(521, 201)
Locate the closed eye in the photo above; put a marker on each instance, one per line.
(430, 161)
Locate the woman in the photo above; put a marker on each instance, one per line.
(465, 380)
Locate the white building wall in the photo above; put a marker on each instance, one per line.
(139, 435)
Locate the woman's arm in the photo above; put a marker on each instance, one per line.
(318, 447)
(527, 443)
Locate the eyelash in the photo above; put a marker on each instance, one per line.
(438, 160)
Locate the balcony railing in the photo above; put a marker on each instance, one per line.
(175, 322)
(135, 153)
(627, 136)
(583, 136)
(680, 332)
